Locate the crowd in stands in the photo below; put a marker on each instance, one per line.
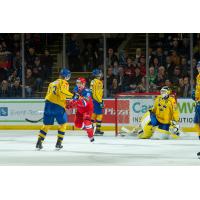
(38, 66)
(169, 65)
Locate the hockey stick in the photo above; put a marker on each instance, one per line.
(33, 121)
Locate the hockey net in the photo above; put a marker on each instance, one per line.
(130, 107)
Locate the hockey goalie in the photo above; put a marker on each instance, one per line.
(160, 122)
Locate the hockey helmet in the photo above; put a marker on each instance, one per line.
(65, 73)
(97, 73)
(81, 82)
(165, 92)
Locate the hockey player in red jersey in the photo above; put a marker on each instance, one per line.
(84, 108)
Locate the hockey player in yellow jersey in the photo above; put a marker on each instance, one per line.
(164, 116)
(55, 105)
(146, 130)
(96, 87)
(196, 98)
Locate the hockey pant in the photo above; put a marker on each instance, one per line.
(83, 121)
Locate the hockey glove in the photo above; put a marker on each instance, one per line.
(76, 96)
(102, 104)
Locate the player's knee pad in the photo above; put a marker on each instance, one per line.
(197, 128)
(99, 117)
(94, 117)
(161, 134)
(45, 128)
(147, 132)
(62, 127)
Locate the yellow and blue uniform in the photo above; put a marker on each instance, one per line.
(164, 111)
(96, 87)
(196, 97)
(55, 105)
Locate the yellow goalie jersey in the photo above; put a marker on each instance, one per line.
(166, 109)
(58, 92)
(197, 90)
(96, 87)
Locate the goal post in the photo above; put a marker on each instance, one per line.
(130, 107)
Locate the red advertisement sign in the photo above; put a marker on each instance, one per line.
(123, 114)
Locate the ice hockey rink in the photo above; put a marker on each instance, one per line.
(18, 148)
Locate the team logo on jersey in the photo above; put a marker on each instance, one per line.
(3, 111)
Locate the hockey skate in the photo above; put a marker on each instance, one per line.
(59, 145)
(39, 144)
(198, 154)
(92, 139)
(98, 132)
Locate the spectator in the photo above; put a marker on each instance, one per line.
(39, 75)
(88, 57)
(114, 88)
(142, 65)
(175, 45)
(30, 57)
(115, 68)
(47, 63)
(161, 77)
(17, 61)
(74, 53)
(175, 58)
(152, 76)
(160, 56)
(186, 88)
(29, 81)
(168, 83)
(169, 66)
(179, 90)
(110, 78)
(134, 82)
(184, 66)
(123, 81)
(156, 64)
(5, 89)
(111, 57)
(40, 68)
(129, 68)
(176, 76)
(141, 87)
(16, 89)
(13, 77)
(138, 54)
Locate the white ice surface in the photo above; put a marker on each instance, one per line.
(18, 148)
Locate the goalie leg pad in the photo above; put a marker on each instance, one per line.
(147, 132)
(161, 134)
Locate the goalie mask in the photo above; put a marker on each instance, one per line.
(80, 82)
(165, 92)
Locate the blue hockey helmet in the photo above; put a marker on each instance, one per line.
(65, 73)
(97, 73)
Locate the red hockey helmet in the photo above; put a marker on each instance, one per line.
(81, 82)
